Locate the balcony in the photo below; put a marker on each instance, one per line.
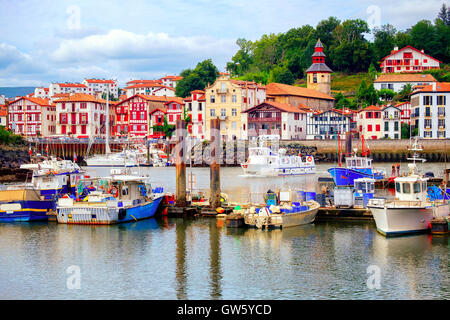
(222, 91)
(272, 119)
(223, 118)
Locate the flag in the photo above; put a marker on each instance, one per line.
(74, 157)
(29, 151)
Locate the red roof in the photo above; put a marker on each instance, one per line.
(39, 101)
(71, 85)
(371, 108)
(174, 78)
(80, 97)
(280, 89)
(280, 106)
(99, 81)
(440, 87)
(158, 109)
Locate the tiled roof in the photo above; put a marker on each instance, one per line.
(158, 109)
(440, 87)
(148, 84)
(80, 97)
(247, 84)
(405, 77)
(279, 89)
(198, 91)
(371, 108)
(154, 98)
(99, 81)
(39, 101)
(72, 85)
(174, 78)
(318, 67)
(281, 106)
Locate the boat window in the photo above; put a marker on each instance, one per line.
(417, 187)
(353, 163)
(369, 162)
(125, 191)
(424, 186)
(371, 187)
(406, 188)
(358, 162)
(397, 187)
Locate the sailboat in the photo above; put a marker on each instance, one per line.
(412, 210)
(118, 159)
(357, 167)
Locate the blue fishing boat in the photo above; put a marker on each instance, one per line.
(119, 198)
(34, 201)
(356, 167)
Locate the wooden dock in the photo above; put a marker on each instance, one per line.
(332, 213)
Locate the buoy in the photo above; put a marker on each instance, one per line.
(220, 210)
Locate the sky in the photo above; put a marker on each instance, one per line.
(57, 41)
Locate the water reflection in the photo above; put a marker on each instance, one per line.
(203, 259)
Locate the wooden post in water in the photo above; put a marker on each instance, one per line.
(180, 165)
(214, 167)
(348, 144)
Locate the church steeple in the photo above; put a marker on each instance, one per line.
(318, 74)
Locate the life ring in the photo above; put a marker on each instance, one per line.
(309, 158)
(114, 191)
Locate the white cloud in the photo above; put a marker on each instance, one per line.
(121, 44)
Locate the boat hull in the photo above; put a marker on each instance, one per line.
(263, 170)
(344, 177)
(25, 211)
(396, 221)
(299, 218)
(105, 215)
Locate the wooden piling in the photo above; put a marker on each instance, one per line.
(180, 165)
(214, 167)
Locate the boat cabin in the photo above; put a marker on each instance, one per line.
(358, 162)
(364, 185)
(411, 188)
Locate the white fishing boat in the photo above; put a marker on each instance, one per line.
(262, 161)
(411, 211)
(51, 178)
(122, 197)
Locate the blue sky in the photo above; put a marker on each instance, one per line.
(45, 41)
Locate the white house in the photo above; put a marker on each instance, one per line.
(150, 89)
(396, 82)
(170, 81)
(41, 93)
(196, 107)
(430, 111)
(328, 124)
(101, 86)
(57, 88)
(274, 118)
(408, 59)
(392, 122)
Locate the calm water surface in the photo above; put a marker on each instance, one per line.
(202, 259)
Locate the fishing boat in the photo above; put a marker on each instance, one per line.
(122, 197)
(33, 201)
(285, 213)
(356, 167)
(412, 209)
(262, 161)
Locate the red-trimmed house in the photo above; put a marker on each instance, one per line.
(196, 107)
(80, 115)
(157, 119)
(408, 59)
(32, 117)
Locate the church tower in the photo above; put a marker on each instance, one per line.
(318, 74)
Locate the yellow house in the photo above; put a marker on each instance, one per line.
(370, 123)
(225, 100)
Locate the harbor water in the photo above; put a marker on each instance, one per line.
(175, 258)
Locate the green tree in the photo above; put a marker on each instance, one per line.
(242, 60)
(405, 131)
(366, 95)
(325, 28)
(197, 79)
(372, 72)
(167, 129)
(281, 74)
(384, 41)
(403, 95)
(386, 94)
(444, 14)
